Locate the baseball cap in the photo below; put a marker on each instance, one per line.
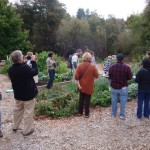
(120, 57)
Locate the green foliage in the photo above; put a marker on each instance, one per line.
(138, 57)
(62, 67)
(59, 102)
(101, 95)
(41, 57)
(42, 18)
(63, 77)
(80, 13)
(101, 84)
(135, 68)
(132, 90)
(4, 69)
(43, 107)
(11, 34)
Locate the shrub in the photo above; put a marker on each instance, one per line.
(4, 69)
(101, 95)
(132, 91)
(59, 102)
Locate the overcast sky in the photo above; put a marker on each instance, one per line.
(118, 8)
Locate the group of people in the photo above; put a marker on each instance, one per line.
(74, 60)
(118, 74)
(25, 90)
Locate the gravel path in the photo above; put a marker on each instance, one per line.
(99, 132)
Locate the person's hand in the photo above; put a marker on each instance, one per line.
(79, 86)
(33, 58)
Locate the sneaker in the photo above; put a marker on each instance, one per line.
(1, 134)
(32, 130)
(122, 117)
(15, 129)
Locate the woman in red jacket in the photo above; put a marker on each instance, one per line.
(85, 75)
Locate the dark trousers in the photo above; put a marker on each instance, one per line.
(51, 78)
(84, 99)
(143, 97)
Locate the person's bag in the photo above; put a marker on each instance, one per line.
(54, 65)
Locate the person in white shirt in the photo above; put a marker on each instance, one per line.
(93, 61)
(75, 60)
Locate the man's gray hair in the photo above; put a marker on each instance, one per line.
(16, 56)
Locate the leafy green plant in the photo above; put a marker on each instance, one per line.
(132, 91)
(101, 95)
(41, 57)
(43, 108)
(4, 69)
(103, 98)
(62, 101)
(62, 67)
(63, 77)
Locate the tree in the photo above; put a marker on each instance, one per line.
(136, 26)
(72, 34)
(80, 13)
(42, 18)
(11, 34)
(98, 35)
(113, 28)
(145, 36)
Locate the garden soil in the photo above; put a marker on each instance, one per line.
(99, 132)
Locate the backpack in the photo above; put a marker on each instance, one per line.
(69, 64)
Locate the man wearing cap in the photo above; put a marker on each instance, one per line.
(119, 74)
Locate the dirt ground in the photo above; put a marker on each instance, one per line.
(99, 132)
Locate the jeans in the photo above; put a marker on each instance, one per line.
(122, 95)
(51, 78)
(84, 99)
(75, 65)
(143, 97)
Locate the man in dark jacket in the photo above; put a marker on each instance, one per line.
(119, 74)
(25, 90)
(143, 80)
